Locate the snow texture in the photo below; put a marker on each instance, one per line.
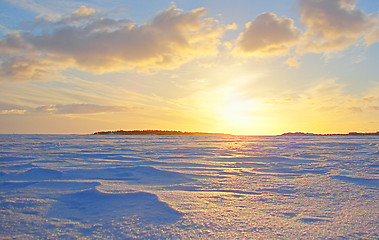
(188, 187)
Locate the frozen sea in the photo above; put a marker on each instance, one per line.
(188, 187)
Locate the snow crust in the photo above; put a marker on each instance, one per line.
(188, 187)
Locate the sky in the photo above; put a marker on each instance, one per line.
(241, 67)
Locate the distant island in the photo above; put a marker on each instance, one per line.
(331, 134)
(156, 132)
(173, 132)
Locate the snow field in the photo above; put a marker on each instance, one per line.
(188, 187)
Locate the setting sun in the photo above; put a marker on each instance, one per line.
(235, 114)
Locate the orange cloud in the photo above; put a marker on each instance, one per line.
(89, 42)
(83, 10)
(293, 62)
(267, 35)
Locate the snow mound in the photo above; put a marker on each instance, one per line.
(94, 206)
(37, 174)
(360, 181)
(58, 186)
(10, 186)
(136, 175)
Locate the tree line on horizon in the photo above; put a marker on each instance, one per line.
(153, 132)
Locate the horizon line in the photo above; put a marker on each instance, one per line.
(203, 132)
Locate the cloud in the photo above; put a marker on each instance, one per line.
(278, 100)
(328, 91)
(329, 26)
(20, 68)
(355, 109)
(328, 96)
(334, 25)
(65, 109)
(12, 111)
(268, 34)
(34, 6)
(373, 36)
(14, 43)
(88, 41)
(79, 109)
(293, 62)
(83, 10)
(324, 106)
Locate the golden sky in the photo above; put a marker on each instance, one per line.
(241, 67)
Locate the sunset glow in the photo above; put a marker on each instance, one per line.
(240, 67)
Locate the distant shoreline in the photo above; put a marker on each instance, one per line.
(179, 133)
(157, 132)
(330, 134)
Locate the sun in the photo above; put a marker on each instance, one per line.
(234, 109)
(235, 113)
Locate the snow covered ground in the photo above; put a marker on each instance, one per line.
(188, 187)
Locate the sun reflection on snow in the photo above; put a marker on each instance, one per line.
(235, 147)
